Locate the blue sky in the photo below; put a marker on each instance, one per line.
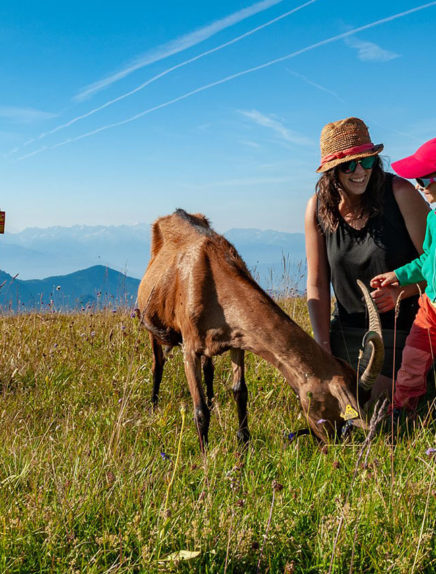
(119, 112)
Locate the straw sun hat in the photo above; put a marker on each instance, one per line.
(345, 140)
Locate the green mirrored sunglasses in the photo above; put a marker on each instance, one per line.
(365, 162)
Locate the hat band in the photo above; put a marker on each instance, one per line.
(346, 152)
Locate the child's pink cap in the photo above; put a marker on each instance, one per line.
(419, 164)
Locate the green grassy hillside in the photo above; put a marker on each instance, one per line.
(92, 480)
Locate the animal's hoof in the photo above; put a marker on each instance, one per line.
(243, 436)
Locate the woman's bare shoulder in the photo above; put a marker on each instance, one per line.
(311, 205)
(407, 196)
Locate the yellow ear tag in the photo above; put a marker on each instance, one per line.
(349, 413)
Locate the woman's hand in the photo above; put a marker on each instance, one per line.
(387, 297)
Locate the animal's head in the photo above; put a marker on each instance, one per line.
(336, 401)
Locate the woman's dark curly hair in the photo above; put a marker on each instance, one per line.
(327, 190)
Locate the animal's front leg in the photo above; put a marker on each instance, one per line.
(201, 410)
(208, 372)
(240, 393)
(157, 368)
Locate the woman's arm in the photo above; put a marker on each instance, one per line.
(318, 278)
(414, 210)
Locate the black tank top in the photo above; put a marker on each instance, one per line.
(382, 245)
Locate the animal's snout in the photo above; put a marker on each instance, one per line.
(346, 429)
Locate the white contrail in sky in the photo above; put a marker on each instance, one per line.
(314, 84)
(178, 45)
(276, 126)
(242, 73)
(166, 72)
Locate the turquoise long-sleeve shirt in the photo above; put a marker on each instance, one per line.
(423, 268)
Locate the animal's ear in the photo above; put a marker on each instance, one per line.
(156, 238)
(202, 219)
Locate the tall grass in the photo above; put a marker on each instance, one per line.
(93, 480)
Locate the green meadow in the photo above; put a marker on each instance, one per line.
(93, 480)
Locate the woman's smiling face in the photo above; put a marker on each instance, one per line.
(356, 182)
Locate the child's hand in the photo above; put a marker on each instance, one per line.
(383, 280)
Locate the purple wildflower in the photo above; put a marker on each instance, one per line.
(291, 436)
(321, 421)
(164, 455)
(430, 451)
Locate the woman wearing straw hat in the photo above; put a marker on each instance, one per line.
(361, 222)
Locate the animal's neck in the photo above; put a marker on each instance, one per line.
(272, 335)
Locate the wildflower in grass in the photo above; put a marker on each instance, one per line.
(134, 313)
(430, 451)
(277, 486)
(114, 310)
(291, 436)
(92, 333)
(289, 567)
(321, 421)
(164, 455)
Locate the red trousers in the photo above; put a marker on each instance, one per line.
(418, 356)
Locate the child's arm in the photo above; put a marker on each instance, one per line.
(384, 279)
(407, 274)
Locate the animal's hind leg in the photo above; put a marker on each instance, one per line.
(240, 393)
(208, 372)
(157, 368)
(201, 410)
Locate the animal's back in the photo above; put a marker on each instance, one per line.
(187, 256)
(181, 240)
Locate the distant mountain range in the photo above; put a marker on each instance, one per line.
(37, 253)
(53, 255)
(95, 287)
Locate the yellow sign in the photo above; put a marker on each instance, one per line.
(349, 413)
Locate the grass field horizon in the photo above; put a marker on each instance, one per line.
(93, 480)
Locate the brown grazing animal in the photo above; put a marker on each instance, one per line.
(198, 293)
